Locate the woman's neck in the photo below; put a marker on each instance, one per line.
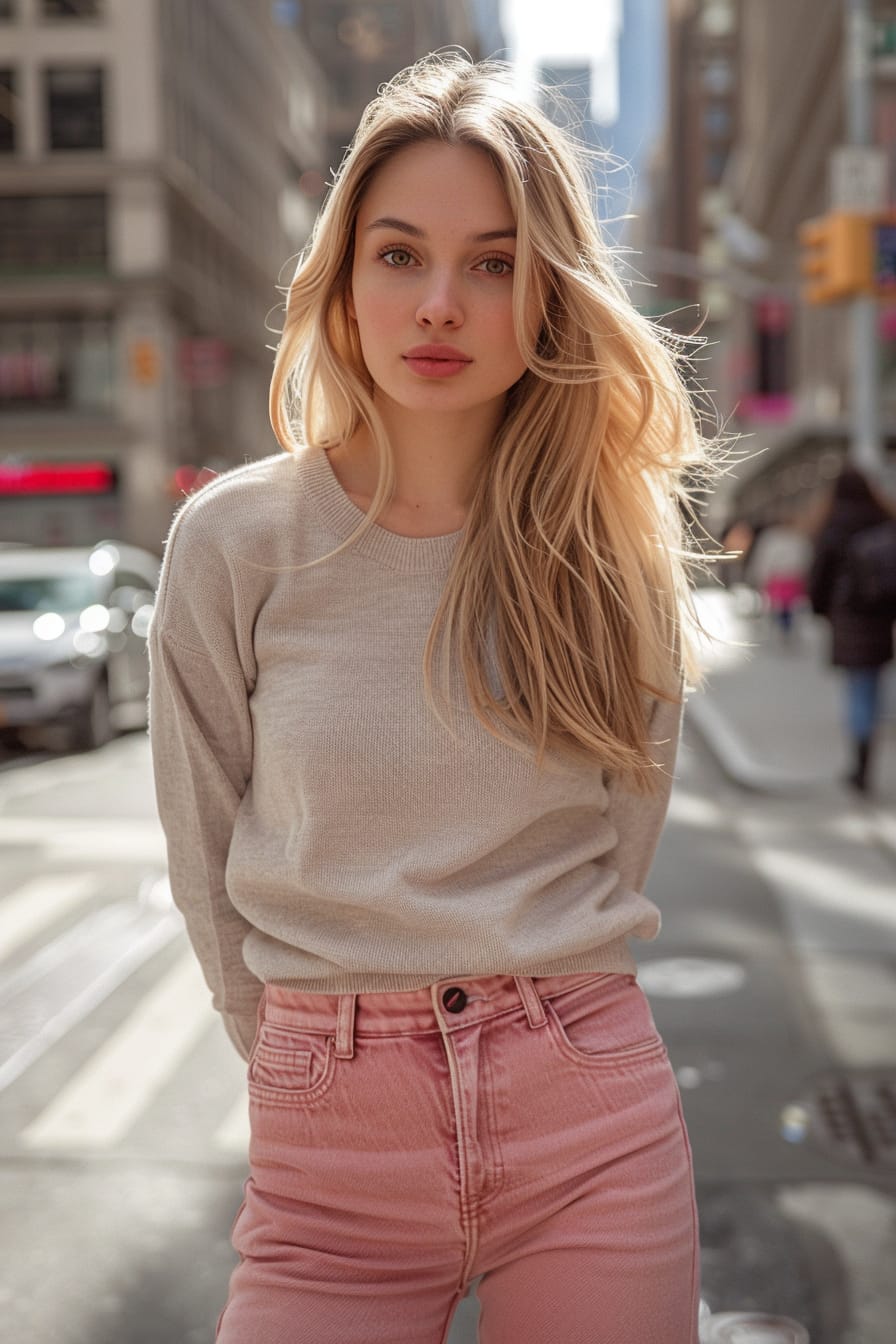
(436, 465)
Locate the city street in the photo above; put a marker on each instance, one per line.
(222, 227)
(123, 1111)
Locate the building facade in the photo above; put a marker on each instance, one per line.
(150, 162)
(790, 363)
(756, 112)
(635, 135)
(362, 45)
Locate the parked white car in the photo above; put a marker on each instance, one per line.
(73, 627)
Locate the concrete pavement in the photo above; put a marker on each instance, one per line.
(771, 710)
(771, 715)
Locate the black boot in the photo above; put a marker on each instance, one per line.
(858, 778)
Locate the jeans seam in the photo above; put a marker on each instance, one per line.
(494, 1132)
(695, 1216)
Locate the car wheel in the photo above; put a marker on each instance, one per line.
(95, 728)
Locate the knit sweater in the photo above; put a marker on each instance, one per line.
(325, 830)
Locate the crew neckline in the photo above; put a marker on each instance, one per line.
(342, 516)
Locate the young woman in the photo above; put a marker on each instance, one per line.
(416, 692)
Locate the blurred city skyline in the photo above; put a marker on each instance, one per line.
(567, 31)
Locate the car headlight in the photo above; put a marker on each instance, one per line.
(90, 644)
(49, 626)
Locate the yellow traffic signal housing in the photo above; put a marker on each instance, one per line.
(837, 257)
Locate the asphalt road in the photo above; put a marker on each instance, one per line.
(122, 1117)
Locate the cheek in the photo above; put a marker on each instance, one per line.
(378, 310)
(505, 339)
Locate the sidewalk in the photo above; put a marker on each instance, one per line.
(772, 714)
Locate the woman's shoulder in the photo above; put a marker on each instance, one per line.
(237, 505)
(254, 485)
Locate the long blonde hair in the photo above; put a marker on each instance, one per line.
(571, 578)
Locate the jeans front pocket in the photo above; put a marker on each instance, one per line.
(288, 1065)
(604, 1022)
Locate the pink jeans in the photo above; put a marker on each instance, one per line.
(528, 1131)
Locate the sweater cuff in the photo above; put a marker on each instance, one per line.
(242, 1029)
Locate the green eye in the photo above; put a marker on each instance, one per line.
(501, 261)
(391, 251)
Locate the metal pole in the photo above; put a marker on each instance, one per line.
(866, 448)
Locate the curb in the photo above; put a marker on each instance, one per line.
(736, 759)
(744, 769)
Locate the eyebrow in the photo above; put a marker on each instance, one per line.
(387, 222)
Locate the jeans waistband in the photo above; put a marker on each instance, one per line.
(417, 1011)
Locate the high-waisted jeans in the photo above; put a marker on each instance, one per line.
(526, 1132)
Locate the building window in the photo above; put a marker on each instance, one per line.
(717, 77)
(72, 9)
(717, 18)
(56, 364)
(52, 234)
(717, 121)
(8, 110)
(714, 166)
(75, 108)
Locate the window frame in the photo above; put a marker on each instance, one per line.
(97, 17)
(13, 72)
(51, 70)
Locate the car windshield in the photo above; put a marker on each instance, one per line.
(47, 592)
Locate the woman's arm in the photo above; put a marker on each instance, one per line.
(638, 818)
(201, 736)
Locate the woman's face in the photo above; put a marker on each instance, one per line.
(428, 277)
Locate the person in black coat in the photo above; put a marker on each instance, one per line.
(861, 643)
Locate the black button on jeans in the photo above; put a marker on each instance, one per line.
(454, 1000)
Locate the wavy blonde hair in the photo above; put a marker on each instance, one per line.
(571, 579)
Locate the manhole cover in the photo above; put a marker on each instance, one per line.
(853, 1116)
(752, 1327)
(690, 977)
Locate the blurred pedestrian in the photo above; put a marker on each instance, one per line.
(778, 567)
(861, 639)
(409, 878)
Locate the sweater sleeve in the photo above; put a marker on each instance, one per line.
(201, 738)
(638, 819)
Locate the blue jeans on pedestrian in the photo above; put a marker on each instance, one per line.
(863, 701)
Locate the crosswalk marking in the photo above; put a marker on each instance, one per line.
(87, 839)
(233, 1135)
(39, 903)
(102, 1101)
(133, 941)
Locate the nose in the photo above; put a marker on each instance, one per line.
(440, 305)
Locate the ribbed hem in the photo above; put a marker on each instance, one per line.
(615, 957)
(413, 555)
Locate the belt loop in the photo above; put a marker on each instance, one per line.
(531, 1002)
(345, 1027)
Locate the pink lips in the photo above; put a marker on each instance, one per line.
(436, 361)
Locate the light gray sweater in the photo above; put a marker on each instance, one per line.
(324, 830)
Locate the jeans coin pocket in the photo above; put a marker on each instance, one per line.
(288, 1063)
(606, 1021)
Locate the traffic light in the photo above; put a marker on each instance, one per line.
(837, 257)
